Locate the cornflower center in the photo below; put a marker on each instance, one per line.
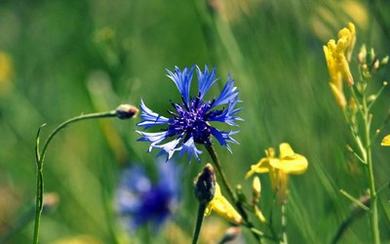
(191, 121)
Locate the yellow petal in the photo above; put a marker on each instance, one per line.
(289, 162)
(285, 150)
(345, 71)
(261, 167)
(296, 164)
(339, 95)
(221, 206)
(386, 141)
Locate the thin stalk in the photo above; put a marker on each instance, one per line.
(40, 157)
(199, 221)
(371, 178)
(284, 223)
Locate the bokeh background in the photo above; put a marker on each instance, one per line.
(62, 58)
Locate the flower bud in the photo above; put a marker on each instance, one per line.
(376, 64)
(371, 98)
(126, 111)
(385, 60)
(50, 201)
(372, 54)
(259, 214)
(256, 189)
(362, 54)
(205, 185)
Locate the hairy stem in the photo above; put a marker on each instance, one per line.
(199, 221)
(40, 157)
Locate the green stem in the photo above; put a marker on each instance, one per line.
(214, 157)
(199, 221)
(371, 177)
(40, 157)
(217, 164)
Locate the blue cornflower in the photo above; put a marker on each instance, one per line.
(140, 201)
(190, 121)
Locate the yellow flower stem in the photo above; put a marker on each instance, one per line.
(284, 222)
(40, 157)
(199, 221)
(370, 171)
(231, 195)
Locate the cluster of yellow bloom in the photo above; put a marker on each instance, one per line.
(338, 55)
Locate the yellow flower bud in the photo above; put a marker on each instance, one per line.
(256, 185)
(260, 215)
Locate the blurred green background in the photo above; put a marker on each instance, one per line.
(62, 58)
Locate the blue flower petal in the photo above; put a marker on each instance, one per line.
(182, 80)
(169, 148)
(150, 118)
(206, 79)
(224, 137)
(228, 116)
(228, 94)
(189, 147)
(153, 137)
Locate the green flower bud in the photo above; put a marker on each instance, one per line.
(205, 184)
(126, 111)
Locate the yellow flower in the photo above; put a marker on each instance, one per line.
(337, 55)
(221, 206)
(386, 141)
(280, 167)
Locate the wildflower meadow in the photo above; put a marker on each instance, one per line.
(195, 121)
